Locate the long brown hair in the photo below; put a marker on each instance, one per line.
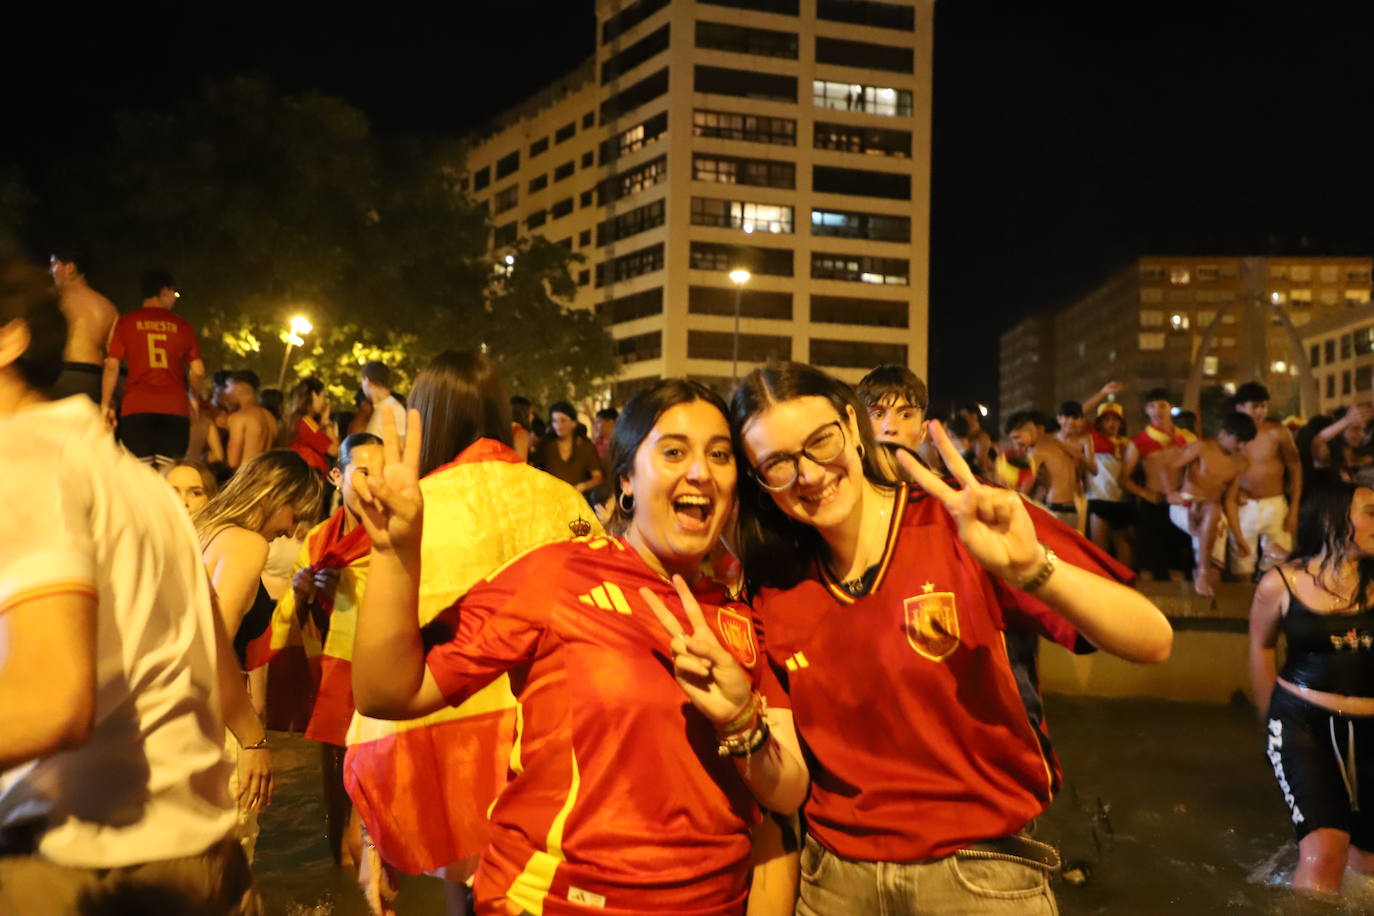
(460, 398)
(776, 550)
(296, 408)
(265, 484)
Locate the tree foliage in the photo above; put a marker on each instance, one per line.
(267, 205)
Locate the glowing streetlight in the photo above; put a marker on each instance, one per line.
(739, 276)
(293, 336)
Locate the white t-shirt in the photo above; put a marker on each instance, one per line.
(398, 412)
(83, 514)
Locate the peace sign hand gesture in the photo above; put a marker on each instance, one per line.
(993, 522)
(393, 510)
(705, 670)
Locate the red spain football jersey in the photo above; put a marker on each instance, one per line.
(618, 801)
(918, 741)
(157, 345)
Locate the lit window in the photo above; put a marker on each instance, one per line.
(1357, 275)
(1278, 297)
(1301, 298)
(1226, 342)
(1179, 276)
(867, 99)
(1209, 365)
(1330, 296)
(1328, 273)
(1278, 271)
(1300, 272)
(1356, 296)
(1152, 341)
(1207, 272)
(1151, 294)
(1151, 318)
(1151, 273)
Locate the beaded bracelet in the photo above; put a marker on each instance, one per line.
(747, 744)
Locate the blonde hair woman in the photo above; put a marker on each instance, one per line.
(264, 500)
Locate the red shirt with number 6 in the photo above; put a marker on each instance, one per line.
(158, 345)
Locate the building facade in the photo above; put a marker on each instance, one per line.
(1340, 350)
(1027, 376)
(789, 138)
(1146, 325)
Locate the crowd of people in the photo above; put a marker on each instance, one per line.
(762, 655)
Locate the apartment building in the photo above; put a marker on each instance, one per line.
(1148, 324)
(788, 138)
(1340, 350)
(1026, 357)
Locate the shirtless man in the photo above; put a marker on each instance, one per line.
(1056, 482)
(90, 316)
(252, 428)
(979, 442)
(1270, 488)
(1205, 505)
(1344, 445)
(1161, 549)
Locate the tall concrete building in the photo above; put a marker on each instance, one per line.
(790, 138)
(1147, 324)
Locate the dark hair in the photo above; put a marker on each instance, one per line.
(1240, 425)
(776, 550)
(607, 413)
(297, 406)
(892, 381)
(271, 400)
(377, 372)
(1187, 419)
(1071, 409)
(221, 378)
(27, 294)
(637, 420)
(79, 256)
(153, 282)
(1022, 417)
(1250, 393)
(968, 407)
(353, 441)
(1325, 531)
(958, 426)
(564, 408)
(245, 377)
(461, 399)
(1157, 394)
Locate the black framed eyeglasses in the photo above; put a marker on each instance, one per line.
(780, 470)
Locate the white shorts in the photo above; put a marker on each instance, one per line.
(1179, 516)
(1261, 524)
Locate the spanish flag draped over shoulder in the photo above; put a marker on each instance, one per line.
(324, 630)
(423, 787)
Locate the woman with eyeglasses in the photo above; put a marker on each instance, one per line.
(884, 608)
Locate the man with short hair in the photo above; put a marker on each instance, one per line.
(113, 783)
(252, 428)
(897, 401)
(1056, 482)
(163, 357)
(377, 387)
(1270, 488)
(1204, 503)
(1161, 549)
(90, 316)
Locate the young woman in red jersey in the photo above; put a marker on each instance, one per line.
(883, 608)
(623, 797)
(307, 429)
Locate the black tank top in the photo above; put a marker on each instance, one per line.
(254, 623)
(1331, 652)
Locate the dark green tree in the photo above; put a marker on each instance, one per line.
(266, 205)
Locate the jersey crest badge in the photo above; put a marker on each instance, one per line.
(737, 632)
(932, 624)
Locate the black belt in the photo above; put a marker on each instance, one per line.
(1062, 507)
(1017, 846)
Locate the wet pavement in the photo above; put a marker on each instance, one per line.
(1167, 808)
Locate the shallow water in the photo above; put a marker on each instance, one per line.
(1167, 807)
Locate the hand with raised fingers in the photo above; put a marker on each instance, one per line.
(392, 508)
(715, 683)
(993, 522)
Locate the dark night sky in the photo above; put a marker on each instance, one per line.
(1068, 137)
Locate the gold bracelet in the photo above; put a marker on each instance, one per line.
(1043, 574)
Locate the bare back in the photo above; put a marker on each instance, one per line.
(90, 316)
(1264, 477)
(252, 430)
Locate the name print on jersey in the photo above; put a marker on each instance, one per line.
(932, 623)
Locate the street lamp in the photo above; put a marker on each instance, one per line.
(293, 337)
(739, 276)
